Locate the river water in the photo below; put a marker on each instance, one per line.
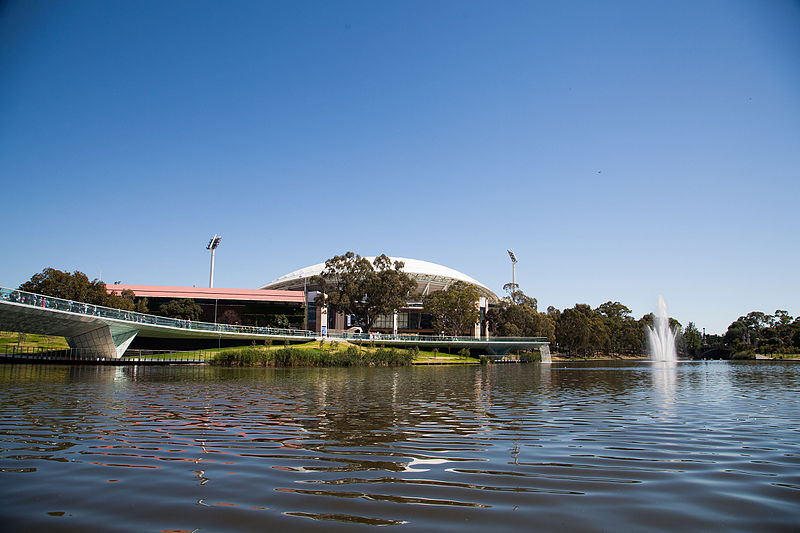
(633, 446)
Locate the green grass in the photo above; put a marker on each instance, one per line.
(782, 355)
(443, 358)
(31, 341)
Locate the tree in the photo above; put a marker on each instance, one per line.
(516, 316)
(278, 321)
(573, 330)
(614, 316)
(516, 296)
(582, 330)
(184, 309)
(125, 300)
(454, 309)
(693, 339)
(354, 286)
(141, 305)
(77, 287)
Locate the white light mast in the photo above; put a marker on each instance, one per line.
(212, 245)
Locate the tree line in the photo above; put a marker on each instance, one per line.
(366, 290)
(757, 332)
(576, 331)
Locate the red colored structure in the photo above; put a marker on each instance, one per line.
(246, 307)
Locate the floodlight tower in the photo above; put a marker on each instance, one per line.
(513, 273)
(212, 245)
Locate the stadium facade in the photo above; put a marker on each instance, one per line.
(413, 319)
(289, 294)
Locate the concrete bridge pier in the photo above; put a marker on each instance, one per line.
(107, 340)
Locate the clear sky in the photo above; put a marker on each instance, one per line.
(622, 149)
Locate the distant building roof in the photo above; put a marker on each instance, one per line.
(429, 277)
(205, 293)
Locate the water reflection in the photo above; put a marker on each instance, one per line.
(590, 445)
(664, 376)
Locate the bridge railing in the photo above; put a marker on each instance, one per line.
(55, 355)
(439, 339)
(99, 311)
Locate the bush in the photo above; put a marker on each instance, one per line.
(391, 357)
(743, 355)
(259, 356)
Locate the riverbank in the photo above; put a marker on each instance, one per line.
(31, 341)
(334, 353)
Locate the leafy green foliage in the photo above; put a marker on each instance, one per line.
(692, 339)
(352, 356)
(184, 309)
(354, 286)
(516, 316)
(454, 310)
(609, 329)
(758, 332)
(76, 286)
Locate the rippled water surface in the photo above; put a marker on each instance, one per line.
(568, 447)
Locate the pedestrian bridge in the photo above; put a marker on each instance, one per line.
(108, 332)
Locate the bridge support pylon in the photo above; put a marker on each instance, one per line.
(107, 341)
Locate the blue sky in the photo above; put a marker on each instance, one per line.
(622, 149)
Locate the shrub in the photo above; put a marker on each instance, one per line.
(260, 356)
(743, 354)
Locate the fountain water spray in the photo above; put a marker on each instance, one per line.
(662, 338)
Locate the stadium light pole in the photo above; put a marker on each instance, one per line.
(212, 245)
(513, 273)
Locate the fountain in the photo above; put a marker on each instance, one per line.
(661, 337)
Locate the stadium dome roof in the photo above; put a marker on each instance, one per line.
(429, 277)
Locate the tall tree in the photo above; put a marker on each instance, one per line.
(77, 287)
(454, 309)
(354, 286)
(184, 308)
(614, 315)
(573, 331)
(516, 296)
(693, 339)
(516, 316)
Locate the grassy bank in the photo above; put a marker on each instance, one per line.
(30, 341)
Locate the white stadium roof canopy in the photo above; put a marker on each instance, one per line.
(429, 277)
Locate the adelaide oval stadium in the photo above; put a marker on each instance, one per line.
(284, 309)
(429, 277)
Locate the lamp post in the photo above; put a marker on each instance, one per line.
(212, 245)
(513, 274)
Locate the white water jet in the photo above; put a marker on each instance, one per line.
(661, 337)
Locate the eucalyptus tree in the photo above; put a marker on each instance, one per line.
(76, 286)
(454, 309)
(516, 316)
(353, 285)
